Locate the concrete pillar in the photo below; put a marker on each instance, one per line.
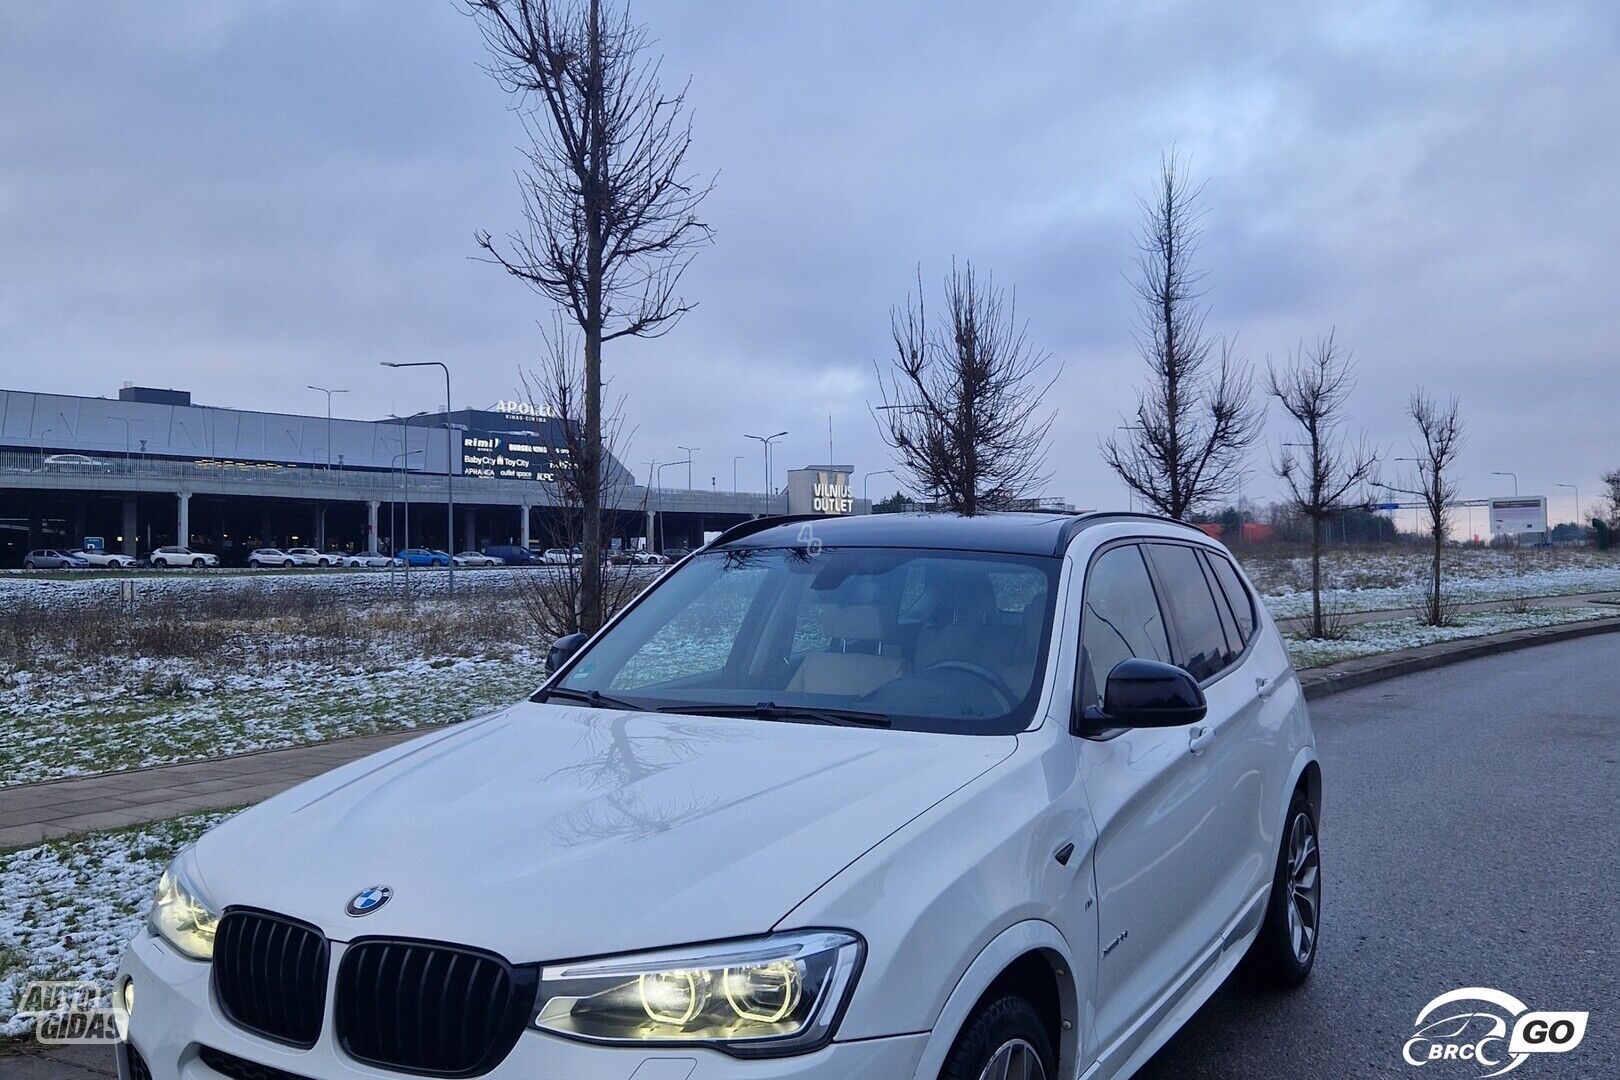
(469, 531)
(130, 525)
(372, 506)
(182, 520)
(320, 528)
(523, 526)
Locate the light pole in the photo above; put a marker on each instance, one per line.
(734, 460)
(405, 481)
(765, 441)
(1582, 528)
(1130, 492)
(690, 450)
(449, 461)
(1515, 480)
(658, 511)
(328, 394)
(866, 481)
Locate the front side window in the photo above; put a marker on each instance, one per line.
(916, 639)
(1203, 647)
(1122, 620)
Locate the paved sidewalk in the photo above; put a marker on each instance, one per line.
(1540, 603)
(31, 813)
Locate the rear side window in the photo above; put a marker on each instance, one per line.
(1236, 594)
(1122, 620)
(1234, 640)
(1202, 645)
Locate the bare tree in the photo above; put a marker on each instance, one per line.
(1611, 481)
(1440, 440)
(609, 207)
(1313, 389)
(552, 596)
(1196, 417)
(961, 404)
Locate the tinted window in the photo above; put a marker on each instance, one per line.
(1202, 647)
(1234, 640)
(1122, 619)
(1232, 585)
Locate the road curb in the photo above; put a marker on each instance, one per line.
(1364, 671)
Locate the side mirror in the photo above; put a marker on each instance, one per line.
(561, 649)
(1147, 694)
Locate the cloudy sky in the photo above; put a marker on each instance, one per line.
(242, 199)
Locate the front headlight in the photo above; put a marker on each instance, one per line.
(181, 915)
(774, 995)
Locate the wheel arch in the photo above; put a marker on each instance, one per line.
(1031, 958)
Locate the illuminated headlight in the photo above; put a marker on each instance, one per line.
(773, 995)
(181, 915)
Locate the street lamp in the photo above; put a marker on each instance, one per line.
(736, 458)
(1578, 525)
(1130, 492)
(328, 394)
(866, 492)
(449, 460)
(1515, 479)
(658, 512)
(121, 420)
(765, 441)
(690, 450)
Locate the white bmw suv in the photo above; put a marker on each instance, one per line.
(881, 797)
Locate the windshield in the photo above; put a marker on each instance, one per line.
(916, 639)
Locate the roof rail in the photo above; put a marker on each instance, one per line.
(759, 524)
(1081, 522)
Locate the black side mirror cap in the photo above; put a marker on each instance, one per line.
(561, 649)
(1150, 694)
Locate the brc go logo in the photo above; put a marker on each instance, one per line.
(1458, 1027)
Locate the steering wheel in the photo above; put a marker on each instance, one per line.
(983, 674)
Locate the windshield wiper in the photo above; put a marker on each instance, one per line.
(770, 710)
(594, 698)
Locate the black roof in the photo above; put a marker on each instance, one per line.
(1010, 533)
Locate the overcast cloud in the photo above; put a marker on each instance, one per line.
(242, 199)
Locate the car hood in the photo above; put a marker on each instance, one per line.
(553, 832)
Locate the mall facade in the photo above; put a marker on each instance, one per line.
(150, 467)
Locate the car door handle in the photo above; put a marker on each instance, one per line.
(1199, 738)
(1266, 687)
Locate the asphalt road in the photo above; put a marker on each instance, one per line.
(1469, 838)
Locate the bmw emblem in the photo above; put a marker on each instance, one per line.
(369, 900)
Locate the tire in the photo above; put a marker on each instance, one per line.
(1285, 950)
(28, 564)
(1005, 1027)
(197, 564)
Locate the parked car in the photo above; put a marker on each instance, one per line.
(367, 559)
(476, 558)
(261, 558)
(53, 559)
(104, 558)
(513, 554)
(676, 554)
(308, 556)
(421, 557)
(179, 555)
(1000, 796)
(557, 557)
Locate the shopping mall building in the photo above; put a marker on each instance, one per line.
(150, 468)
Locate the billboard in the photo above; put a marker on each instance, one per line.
(510, 455)
(820, 489)
(1519, 515)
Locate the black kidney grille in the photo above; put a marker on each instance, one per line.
(270, 975)
(436, 1010)
(229, 1065)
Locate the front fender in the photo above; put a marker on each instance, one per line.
(1032, 935)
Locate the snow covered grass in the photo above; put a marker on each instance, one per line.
(67, 908)
(1392, 578)
(1370, 639)
(87, 686)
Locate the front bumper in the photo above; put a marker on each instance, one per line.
(175, 1015)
